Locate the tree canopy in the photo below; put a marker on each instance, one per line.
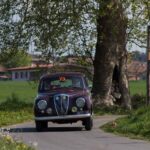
(59, 26)
(17, 59)
(97, 29)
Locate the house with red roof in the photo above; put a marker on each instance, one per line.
(3, 72)
(136, 70)
(28, 72)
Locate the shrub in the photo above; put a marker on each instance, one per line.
(138, 100)
(13, 111)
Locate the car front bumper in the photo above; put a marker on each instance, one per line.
(65, 117)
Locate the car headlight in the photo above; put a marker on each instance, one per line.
(42, 104)
(80, 102)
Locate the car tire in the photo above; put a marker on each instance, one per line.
(88, 123)
(41, 125)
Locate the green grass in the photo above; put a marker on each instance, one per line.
(136, 125)
(16, 101)
(115, 110)
(26, 91)
(16, 106)
(14, 111)
(137, 87)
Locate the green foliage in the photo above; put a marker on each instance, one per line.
(135, 125)
(57, 27)
(12, 59)
(138, 56)
(138, 100)
(13, 110)
(138, 18)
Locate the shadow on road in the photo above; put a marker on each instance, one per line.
(50, 129)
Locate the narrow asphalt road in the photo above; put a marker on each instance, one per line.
(74, 137)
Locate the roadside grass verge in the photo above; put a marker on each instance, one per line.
(13, 111)
(7, 143)
(135, 125)
(113, 110)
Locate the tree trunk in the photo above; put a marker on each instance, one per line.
(110, 52)
(103, 72)
(123, 84)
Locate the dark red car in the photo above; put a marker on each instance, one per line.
(63, 98)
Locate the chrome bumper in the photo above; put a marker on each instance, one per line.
(65, 117)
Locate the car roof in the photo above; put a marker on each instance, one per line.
(62, 74)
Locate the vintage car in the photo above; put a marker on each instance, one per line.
(63, 98)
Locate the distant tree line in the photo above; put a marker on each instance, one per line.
(138, 56)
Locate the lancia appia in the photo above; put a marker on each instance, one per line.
(63, 98)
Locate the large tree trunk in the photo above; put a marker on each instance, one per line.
(123, 84)
(110, 54)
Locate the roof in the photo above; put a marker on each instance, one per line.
(31, 67)
(136, 67)
(62, 74)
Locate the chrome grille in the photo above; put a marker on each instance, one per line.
(61, 102)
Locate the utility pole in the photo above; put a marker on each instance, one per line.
(148, 65)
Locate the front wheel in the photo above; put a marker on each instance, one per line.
(40, 125)
(88, 123)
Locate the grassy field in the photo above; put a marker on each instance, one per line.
(15, 111)
(137, 87)
(16, 106)
(25, 91)
(16, 101)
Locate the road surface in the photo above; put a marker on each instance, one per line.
(74, 137)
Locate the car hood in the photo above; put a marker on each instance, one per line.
(72, 92)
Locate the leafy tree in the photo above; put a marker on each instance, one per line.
(74, 26)
(17, 59)
(138, 56)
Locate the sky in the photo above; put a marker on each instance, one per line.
(135, 47)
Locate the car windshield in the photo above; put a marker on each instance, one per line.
(60, 82)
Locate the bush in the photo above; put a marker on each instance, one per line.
(13, 111)
(138, 100)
